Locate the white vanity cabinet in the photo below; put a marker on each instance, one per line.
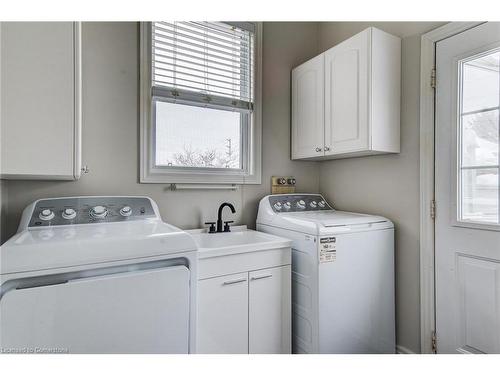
(244, 300)
(346, 101)
(40, 84)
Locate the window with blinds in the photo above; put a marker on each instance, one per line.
(204, 63)
(200, 95)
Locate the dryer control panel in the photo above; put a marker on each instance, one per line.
(298, 203)
(87, 210)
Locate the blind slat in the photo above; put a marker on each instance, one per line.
(195, 58)
(184, 70)
(202, 50)
(203, 62)
(231, 39)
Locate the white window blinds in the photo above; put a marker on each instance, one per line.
(204, 63)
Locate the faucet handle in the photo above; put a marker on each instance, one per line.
(227, 228)
(212, 226)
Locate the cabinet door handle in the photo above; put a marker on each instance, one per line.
(327, 148)
(260, 277)
(229, 282)
(319, 149)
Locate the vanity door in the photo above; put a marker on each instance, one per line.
(269, 323)
(223, 315)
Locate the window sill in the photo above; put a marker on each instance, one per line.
(159, 176)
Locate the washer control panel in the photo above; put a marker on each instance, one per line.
(298, 203)
(88, 210)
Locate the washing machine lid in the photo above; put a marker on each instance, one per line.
(334, 218)
(328, 222)
(70, 246)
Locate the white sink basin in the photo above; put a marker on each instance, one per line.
(235, 242)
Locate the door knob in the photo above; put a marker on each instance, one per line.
(318, 149)
(327, 148)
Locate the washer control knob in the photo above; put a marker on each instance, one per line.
(287, 205)
(322, 204)
(98, 212)
(69, 214)
(126, 211)
(300, 204)
(278, 206)
(46, 214)
(313, 204)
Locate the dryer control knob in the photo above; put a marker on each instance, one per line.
(98, 212)
(313, 204)
(287, 205)
(69, 214)
(126, 211)
(301, 204)
(46, 214)
(278, 206)
(322, 204)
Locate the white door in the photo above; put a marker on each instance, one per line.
(346, 95)
(270, 307)
(223, 315)
(307, 109)
(467, 193)
(131, 312)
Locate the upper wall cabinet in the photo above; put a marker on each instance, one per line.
(346, 101)
(40, 83)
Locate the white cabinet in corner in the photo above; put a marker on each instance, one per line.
(40, 85)
(360, 106)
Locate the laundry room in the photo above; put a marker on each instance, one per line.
(227, 187)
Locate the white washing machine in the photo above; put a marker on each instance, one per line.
(97, 275)
(342, 274)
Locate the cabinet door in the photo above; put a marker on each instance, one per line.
(223, 315)
(270, 311)
(39, 86)
(346, 95)
(307, 109)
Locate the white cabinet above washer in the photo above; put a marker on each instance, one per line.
(346, 101)
(40, 85)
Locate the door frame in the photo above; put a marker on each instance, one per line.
(427, 159)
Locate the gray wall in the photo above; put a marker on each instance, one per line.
(388, 185)
(110, 129)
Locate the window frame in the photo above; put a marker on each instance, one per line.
(251, 138)
(456, 188)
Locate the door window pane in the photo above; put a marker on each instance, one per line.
(199, 137)
(480, 195)
(480, 139)
(479, 130)
(480, 83)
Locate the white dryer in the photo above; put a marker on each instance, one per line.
(342, 274)
(97, 275)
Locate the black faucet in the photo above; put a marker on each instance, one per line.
(219, 217)
(219, 229)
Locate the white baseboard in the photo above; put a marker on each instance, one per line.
(403, 350)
